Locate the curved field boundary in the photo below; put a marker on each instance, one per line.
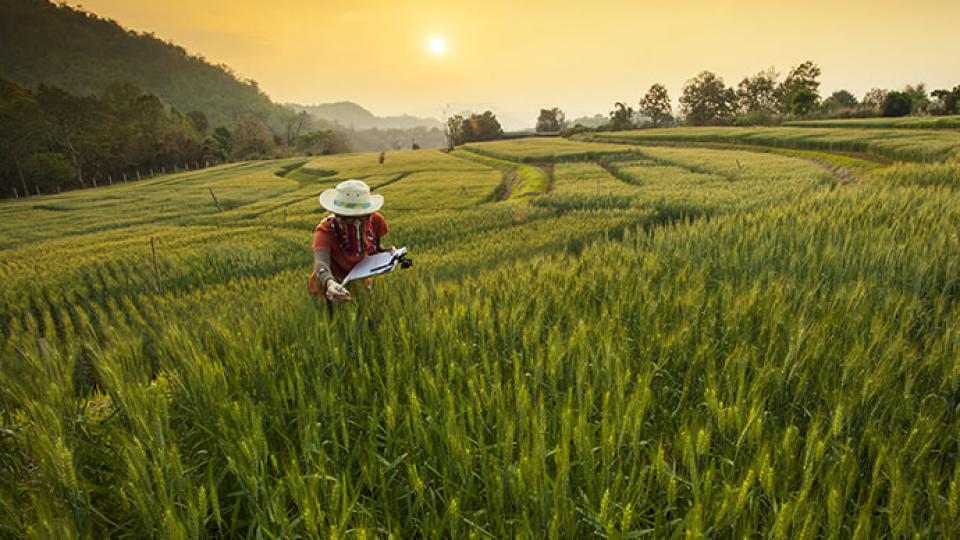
(519, 179)
(901, 145)
(589, 155)
(844, 166)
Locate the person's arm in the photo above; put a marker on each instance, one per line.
(322, 269)
(380, 229)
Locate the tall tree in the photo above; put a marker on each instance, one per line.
(199, 121)
(621, 117)
(454, 130)
(77, 126)
(758, 94)
(947, 101)
(798, 93)
(252, 138)
(322, 142)
(707, 100)
(656, 105)
(874, 98)
(919, 100)
(474, 128)
(841, 99)
(896, 104)
(23, 128)
(551, 120)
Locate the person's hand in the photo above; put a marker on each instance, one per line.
(337, 293)
(392, 250)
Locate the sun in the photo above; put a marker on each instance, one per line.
(437, 45)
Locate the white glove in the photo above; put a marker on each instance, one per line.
(337, 292)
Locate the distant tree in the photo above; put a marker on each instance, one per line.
(621, 117)
(803, 101)
(48, 170)
(252, 138)
(476, 127)
(896, 104)
(946, 101)
(656, 105)
(224, 139)
(77, 127)
(841, 99)
(23, 130)
(199, 121)
(919, 100)
(295, 125)
(874, 98)
(322, 142)
(454, 131)
(758, 94)
(798, 93)
(707, 100)
(551, 120)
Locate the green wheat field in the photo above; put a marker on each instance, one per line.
(691, 332)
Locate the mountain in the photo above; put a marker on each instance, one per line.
(58, 45)
(349, 114)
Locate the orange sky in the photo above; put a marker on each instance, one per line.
(517, 56)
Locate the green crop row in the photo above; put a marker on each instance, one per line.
(912, 122)
(902, 145)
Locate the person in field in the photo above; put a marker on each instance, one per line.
(352, 232)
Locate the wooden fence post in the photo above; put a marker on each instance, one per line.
(15, 194)
(219, 208)
(37, 186)
(110, 179)
(163, 169)
(138, 175)
(124, 177)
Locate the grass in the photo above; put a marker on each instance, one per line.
(892, 144)
(911, 122)
(710, 342)
(519, 180)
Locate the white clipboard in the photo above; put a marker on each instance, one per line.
(374, 265)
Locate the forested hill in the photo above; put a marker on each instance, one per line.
(349, 114)
(58, 45)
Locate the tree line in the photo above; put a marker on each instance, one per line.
(52, 140)
(759, 99)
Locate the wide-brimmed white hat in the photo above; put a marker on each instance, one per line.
(351, 198)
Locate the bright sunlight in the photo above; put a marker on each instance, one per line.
(437, 45)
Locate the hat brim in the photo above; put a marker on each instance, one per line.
(328, 201)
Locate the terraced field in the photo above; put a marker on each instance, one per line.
(595, 339)
(920, 145)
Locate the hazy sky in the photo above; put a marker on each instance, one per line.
(517, 56)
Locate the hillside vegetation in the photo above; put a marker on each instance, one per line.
(58, 45)
(667, 341)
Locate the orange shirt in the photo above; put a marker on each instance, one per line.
(325, 239)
